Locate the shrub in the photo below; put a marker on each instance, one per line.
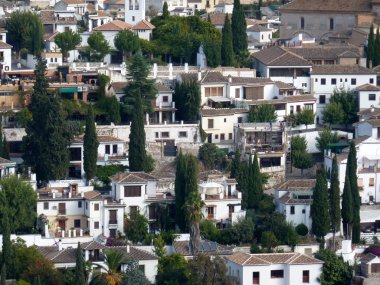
(302, 230)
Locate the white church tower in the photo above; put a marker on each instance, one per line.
(134, 11)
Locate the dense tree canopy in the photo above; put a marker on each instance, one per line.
(320, 207)
(187, 97)
(305, 117)
(67, 41)
(349, 104)
(300, 157)
(263, 113)
(333, 113)
(98, 46)
(90, 146)
(136, 228)
(127, 42)
(172, 270)
(326, 137)
(211, 156)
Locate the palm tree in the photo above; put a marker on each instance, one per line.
(193, 209)
(112, 274)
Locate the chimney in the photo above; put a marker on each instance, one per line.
(372, 108)
(199, 75)
(60, 245)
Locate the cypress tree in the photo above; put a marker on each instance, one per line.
(48, 128)
(227, 46)
(191, 174)
(376, 49)
(7, 247)
(370, 47)
(347, 208)
(255, 186)
(179, 189)
(3, 275)
(239, 29)
(80, 277)
(90, 146)
(236, 166)
(335, 212)
(165, 11)
(137, 153)
(351, 172)
(320, 207)
(5, 149)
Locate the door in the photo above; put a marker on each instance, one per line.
(210, 212)
(256, 278)
(113, 233)
(62, 208)
(209, 138)
(113, 217)
(62, 224)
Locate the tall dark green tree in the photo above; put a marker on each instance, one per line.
(47, 128)
(165, 11)
(90, 146)
(228, 57)
(335, 212)
(376, 56)
(236, 165)
(255, 186)
(127, 42)
(347, 208)
(187, 96)
(6, 249)
(80, 276)
(179, 189)
(371, 47)
(239, 29)
(351, 172)
(320, 207)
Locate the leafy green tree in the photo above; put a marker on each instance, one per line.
(98, 46)
(47, 128)
(42, 271)
(350, 105)
(333, 113)
(212, 49)
(67, 41)
(90, 146)
(6, 252)
(305, 117)
(25, 30)
(187, 96)
(351, 172)
(255, 186)
(133, 274)
(302, 229)
(127, 42)
(335, 271)
(300, 157)
(326, 137)
(335, 212)
(110, 108)
(320, 207)
(210, 155)
(103, 81)
(244, 228)
(110, 274)
(263, 113)
(165, 11)
(239, 29)
(21, 212)
(269, 240)
(103, 173)
(193, 207)
(347, 208)
(179, 189)
(172, 270)
(228, 58)
(80, 277)
(371, 47)
(209, 230)
(136, 228)
(159, 246)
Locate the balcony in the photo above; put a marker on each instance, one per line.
(210, 216)
(112, 222)
(61, 211)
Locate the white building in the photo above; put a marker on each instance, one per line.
(293, 198)
(222, 199)
(134, 11)
(369, 96)
(109, 31)
(7, 167)
(274, 268)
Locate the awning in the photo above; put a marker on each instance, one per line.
(219, 99)
(68, 90)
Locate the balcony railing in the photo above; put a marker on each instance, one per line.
(112, 222)
(61, 211)
(210, 216)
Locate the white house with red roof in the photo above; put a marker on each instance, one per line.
(143, 29)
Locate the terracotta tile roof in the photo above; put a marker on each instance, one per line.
(273, 258)
(101, 139)
(277, 56)
(133, 177)
(91, 9)
(250, 80)
(206, 247)
(134, 253)
(297, 184)
(143, 25)
(283, 85)
(92, 195)
(341, 69)
(210, 112)
(258, 28)
(47, 18)
(73, 2)
(217, 19)
(289, 199)
(53, 254)
(91, 245)
(162, 88)
(4, 45)
(367, 257)
(325, 52)
(367, 87)
(115, 25)
(213, 77)
(374, 122)
(358, 38)
(119, 86)
(340, 6)
(369, 112)
(6, 161)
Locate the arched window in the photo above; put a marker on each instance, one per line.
(302, 23)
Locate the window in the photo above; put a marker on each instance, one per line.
(79, 204)
(371, 97)
(302, 23)
(114, 149)
(333, 81)
(303, 211)
(230, 136)
(133, 18)
(331, 24)
(240, 119)
(222, 138)
(292, 210)
(322, 99)
(345, 80)
(96, 206)
(96, 225)
(210, 123)
(165, 98)
(132, 191)
(225, 120)
(305, 276)
(213, 91)
(371, 80)
(316, 79)
(308, 107)
(277, 274)
(164, 134)
(56, 59)
(51, 59)
(108, 149)
(86, 205)
(142, 268)
(371, 181)
(182, 134)
(298, 108)
(237, 93)
(76, 223)
(156, 134)
(323, 81)
(291, 110)
(46, 205)
(255, 278)
(353, 81)
(216, 137)
(304, 84)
